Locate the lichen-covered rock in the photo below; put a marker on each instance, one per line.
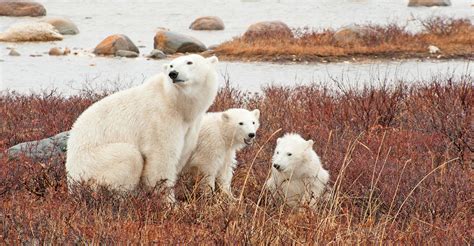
(428, 3)
(114, 43)
(209, 23)
(30, 32)
(353, 33)
(268, 29)
(20, 8)
(63, 25)
(172, 42)
(41, 149)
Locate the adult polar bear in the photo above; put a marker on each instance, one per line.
(145, 133)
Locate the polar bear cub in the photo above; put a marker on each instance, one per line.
(145, 133)
(221, 135)
(297, 175)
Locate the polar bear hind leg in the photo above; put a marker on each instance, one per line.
(117, 165)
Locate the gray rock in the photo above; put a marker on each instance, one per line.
(41, 149)
(13, 52)
(63, 25)
(157, 54)
(267, 29)
(173, 42)
(114, 43)
(21, 8)
(428, 3)
(207, 23)
(126, 53)
(353, 33)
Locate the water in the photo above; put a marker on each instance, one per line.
(140, 19)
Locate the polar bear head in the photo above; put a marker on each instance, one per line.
(190, 70)
(291, 152)
(242, 124)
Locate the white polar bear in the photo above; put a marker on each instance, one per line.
(297, 175)
(220, 137)
(144, 133)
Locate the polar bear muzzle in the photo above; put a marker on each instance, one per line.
(174, 76)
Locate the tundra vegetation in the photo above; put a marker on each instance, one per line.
(400, 158)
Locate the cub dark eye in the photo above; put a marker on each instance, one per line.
(189, 63)
(278, 152)
(241, 123)
(253, 122)
(289, 154)
(171, 66)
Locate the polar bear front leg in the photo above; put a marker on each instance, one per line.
(224, 180)
(161, 170)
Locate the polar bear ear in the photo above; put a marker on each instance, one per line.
(225, 117)
(212, 59)
(256, 112)
(165, 66)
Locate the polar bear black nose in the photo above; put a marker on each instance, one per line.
(276, 166)
(251, 135)
(173, 74)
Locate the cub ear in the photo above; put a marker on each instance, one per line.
(165, 66)
(225, 117)
(212, 59)
(256, 112)
(278, 140)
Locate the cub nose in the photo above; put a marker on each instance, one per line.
(276, 166)
(252, 135)
(173, 74)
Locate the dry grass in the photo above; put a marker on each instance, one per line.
(454, 37)
(400, 160)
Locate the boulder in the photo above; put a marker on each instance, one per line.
(157, 54)
(55, 51)
(353, 33)
(114, 43)
(63, 25)
(41, 149)
(30, 32)
(20, 8)
(126, 53)
(268, 29)
(207, 23)
(13, 52)
(172, 42)
(428, 3)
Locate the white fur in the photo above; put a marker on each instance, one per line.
(143, 133)
(30, 31)
(221, 136)
(300, 177)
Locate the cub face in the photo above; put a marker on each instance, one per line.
(244, 123)
(290, 152)
(190, 69)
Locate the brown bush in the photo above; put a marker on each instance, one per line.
(454, 37)
(399, 158)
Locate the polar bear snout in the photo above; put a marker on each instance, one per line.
(251, 135)
(174, 76)
(276, 166)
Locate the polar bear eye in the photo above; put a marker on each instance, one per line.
(189, 63)
(253, 122)
(289, 154)
(171, 66)
(241, 123)
(278, 152)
